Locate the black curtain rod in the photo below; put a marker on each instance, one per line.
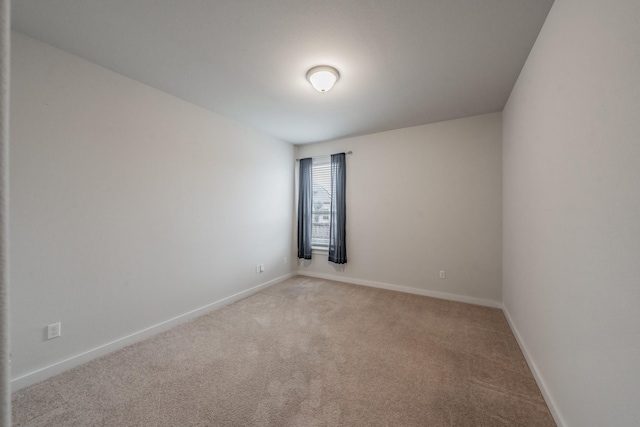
(348, 152)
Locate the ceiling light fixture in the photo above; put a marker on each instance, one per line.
(323, 77)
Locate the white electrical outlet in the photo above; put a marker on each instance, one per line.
(54, 330)
(257, 268)
(261, 268)
(443, 274)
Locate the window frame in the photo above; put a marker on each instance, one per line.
(321, 162)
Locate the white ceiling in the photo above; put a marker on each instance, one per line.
(402, 63)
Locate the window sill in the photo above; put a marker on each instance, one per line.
(321, 251)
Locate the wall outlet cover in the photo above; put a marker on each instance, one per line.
(54, 330)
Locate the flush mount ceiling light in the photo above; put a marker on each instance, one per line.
(323, 77)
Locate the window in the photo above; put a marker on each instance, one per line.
(322, 208)
(321, 202)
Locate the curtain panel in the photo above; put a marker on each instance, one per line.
(305, 196)
(338, 221)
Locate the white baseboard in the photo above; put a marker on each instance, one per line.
(405, 289)
(64, 365)
(553, 408)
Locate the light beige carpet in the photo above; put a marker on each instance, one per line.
(306, 352)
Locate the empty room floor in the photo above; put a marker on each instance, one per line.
(306, 352)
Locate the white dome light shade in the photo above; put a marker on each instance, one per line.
(323, 77)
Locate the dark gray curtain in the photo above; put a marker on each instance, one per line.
(305, 195)
(337, 230)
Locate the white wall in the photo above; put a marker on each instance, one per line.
(572, 211)
(5, 374)
(129, 207)
(421, 200)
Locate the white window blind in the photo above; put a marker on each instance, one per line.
(321, 208)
